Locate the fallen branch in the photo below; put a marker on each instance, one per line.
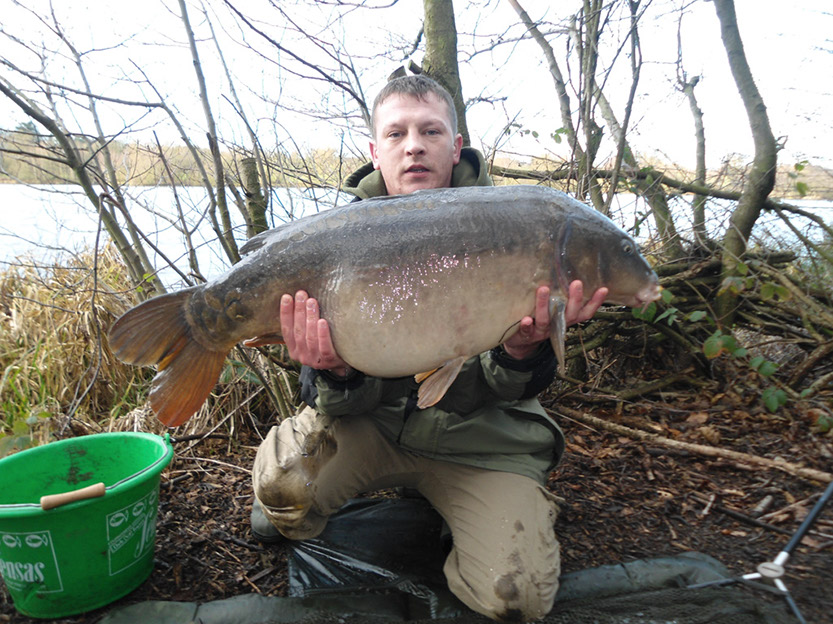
(791, 508)
(819, 353)
(602, 395)
(700, 449)
(737, 515)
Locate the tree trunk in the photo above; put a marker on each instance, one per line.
(441, 56)
(108, 175)
(564, 104)
(255, 201)
(217, 195)
(588, 49)
(648, 187)
(698, 206)
(761, 178)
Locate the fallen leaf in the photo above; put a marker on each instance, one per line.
(711, 434)
(810, 542)
(735, 533)
(698, 418)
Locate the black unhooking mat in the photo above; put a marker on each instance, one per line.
(380, 561)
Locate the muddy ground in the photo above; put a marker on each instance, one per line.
(623, 500)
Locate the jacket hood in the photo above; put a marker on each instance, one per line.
(367, 182)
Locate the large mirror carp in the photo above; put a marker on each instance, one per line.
(408, 284)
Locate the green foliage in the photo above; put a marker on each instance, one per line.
(823, 424)
(647, 313)
(762, 366)
(148, 278)
(556, 136)
(771, 290)
(24, 397)
(801, 187)
(235, 370)
(745, 283)
(774, 398)
(737, 284)
(670, 314)
(24, 432)
(640, 217)
(519, 130)
(698, 315)
(720, 343)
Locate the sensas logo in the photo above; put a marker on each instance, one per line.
(23, 572)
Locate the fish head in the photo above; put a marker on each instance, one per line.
(596, 251)
(630, 280)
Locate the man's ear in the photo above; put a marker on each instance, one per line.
(458, 145)
(373, 155)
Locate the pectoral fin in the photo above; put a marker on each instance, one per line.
(437, 382)
(420, 377)
(558, 330)
(265, 339)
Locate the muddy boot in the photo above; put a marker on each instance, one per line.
(286, 467)
(263, 530)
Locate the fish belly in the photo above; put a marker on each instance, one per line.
(415, 316)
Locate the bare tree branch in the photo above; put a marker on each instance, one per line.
(316, 70)
(227, 238)
(761, 179)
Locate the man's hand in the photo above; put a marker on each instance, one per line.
(307, 335)
(576, 310)
(533, 331)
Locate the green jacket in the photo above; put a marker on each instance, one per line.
(488, 418)
(367, 182)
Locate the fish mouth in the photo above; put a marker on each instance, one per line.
(640, 299)
(650, 293)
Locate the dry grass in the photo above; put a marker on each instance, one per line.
(57, 373)
(54, 362)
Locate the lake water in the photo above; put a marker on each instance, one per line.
(46, 222)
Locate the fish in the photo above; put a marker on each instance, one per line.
(409, 284)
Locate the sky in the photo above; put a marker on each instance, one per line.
(790, 51)
(126, 46)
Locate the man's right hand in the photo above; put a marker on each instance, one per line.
(307, 335)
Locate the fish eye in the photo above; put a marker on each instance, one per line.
(627, 247)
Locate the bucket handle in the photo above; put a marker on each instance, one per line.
(56, 500)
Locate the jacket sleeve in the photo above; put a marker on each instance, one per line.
(330, 395)
(512, 379)
(498, 376)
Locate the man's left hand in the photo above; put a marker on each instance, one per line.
(533, 331)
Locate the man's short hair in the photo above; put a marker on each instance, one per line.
(417, 86)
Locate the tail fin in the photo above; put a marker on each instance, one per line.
(157, 332)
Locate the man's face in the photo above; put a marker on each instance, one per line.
(414, 147)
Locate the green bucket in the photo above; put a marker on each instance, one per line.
(78, 520)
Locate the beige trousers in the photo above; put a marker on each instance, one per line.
(505, 560)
